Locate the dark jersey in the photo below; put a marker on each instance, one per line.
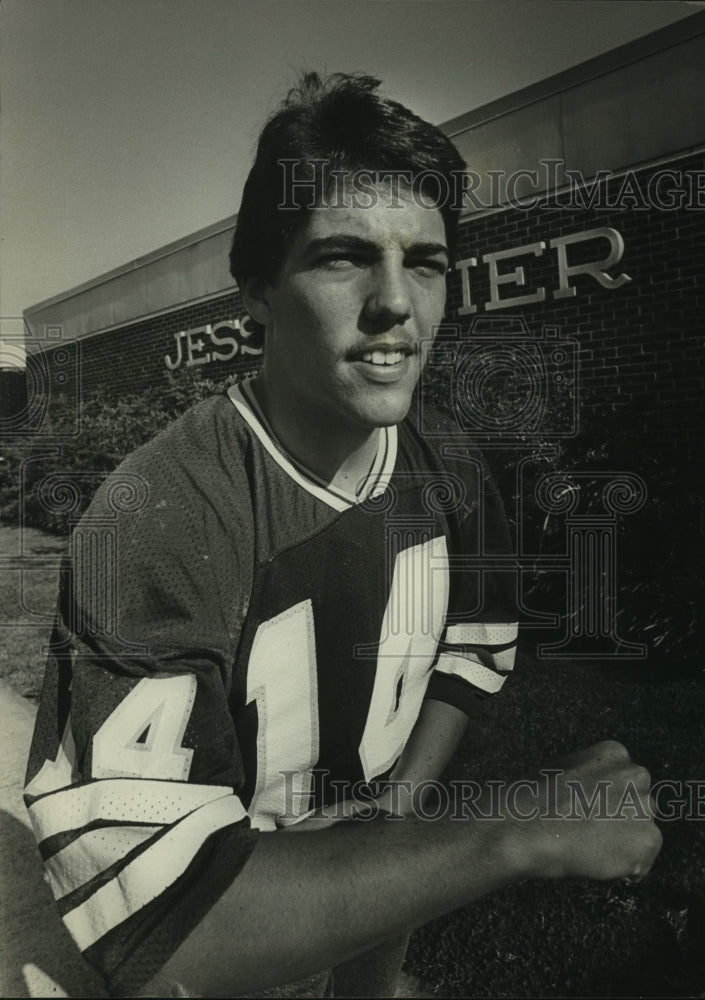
(237, 645)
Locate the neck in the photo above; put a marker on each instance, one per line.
(340, 456)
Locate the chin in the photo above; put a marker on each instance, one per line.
(386, 412)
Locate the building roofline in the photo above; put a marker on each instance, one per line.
(640, 48)
(134, 265)
(656, 41)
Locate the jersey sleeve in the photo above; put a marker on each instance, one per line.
(479, 642)
(134, 771)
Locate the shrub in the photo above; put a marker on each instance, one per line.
(660, 547)
(659, 555)
(109, 430)
(660, 550)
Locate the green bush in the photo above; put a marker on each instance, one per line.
(660, 547)
(109, 430)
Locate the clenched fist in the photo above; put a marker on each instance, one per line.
(594, 817)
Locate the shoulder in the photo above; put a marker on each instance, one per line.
(208, 435)
(174, 522)
(198, 462)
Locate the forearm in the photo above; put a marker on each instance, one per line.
(309, 902)
(433, 742)
(305, 903)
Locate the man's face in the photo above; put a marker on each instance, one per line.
(359, 291)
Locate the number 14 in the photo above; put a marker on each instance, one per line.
(282, 680)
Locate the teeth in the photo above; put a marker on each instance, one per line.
(383, 357)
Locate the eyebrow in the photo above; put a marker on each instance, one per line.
(345, 241)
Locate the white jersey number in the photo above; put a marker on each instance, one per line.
(142, 737)
(411, 628)
(281, 678)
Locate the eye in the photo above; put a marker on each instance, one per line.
(429, 267)
(341, 261)
(338, 262)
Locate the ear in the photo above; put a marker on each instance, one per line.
(254, 295)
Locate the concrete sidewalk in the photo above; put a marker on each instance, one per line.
(38, 957)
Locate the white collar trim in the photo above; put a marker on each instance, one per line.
(375, 483)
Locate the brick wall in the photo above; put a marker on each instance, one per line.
(639, 345)
(132, 358)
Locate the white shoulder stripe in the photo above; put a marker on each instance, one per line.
(470, 671)
(504, 658)
(495, 634)
(91, 854)
(150, 873)
(127, 800)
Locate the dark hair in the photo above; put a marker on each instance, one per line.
(323, 126)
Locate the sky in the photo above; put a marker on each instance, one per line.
(127, 124)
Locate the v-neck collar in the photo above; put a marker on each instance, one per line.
(374, 484)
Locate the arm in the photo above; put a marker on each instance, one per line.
(306, 903)
(433, 742)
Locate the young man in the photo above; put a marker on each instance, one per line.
(289, 622)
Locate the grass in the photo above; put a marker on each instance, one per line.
(535, 939)
(28, 586)
(579, 938)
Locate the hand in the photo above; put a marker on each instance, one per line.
(596, 816)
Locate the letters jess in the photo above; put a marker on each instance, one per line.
(222, 347)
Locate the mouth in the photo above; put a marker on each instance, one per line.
(384, 355)
(385, 364)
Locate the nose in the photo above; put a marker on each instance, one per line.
(388, 300)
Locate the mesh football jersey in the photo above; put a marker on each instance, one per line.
(238, 644)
